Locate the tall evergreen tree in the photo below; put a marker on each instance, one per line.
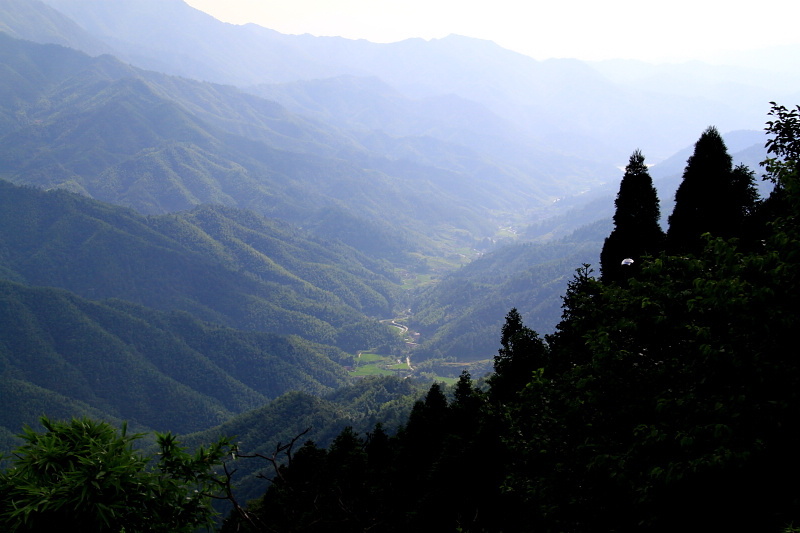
(636, 230)
(712, 198)
(523, 352)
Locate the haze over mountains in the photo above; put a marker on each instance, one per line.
(273, 185)
(556, 101)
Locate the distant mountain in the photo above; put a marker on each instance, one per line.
(459, 104)
(160, 144)
(444, 131)
(601, 111)
(34, 21)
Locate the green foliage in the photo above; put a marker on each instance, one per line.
(521, 354)
(396, 483)
(459, 317)
(61, 354)
(86, 474)
(360, 405)
(223, 265)
(368, 334)
(782, 165)
(671, 397)
(666, 400)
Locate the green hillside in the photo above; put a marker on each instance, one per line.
(459, 317)
(62, 354)
(361, 405)
(162, 144)
(220, 264)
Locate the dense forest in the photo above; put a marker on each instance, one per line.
(667, 395)
(205, 269)
(398, 288)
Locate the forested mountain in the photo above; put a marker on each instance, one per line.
(93, 350)
(459, 317)
(64, 355)
(203, 228)
(666, 396)
(385, 400)
(574, 107)
(220, 264)
(161, 144)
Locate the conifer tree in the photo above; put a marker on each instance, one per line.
(636, 230)
(523, 352)
(712, 198)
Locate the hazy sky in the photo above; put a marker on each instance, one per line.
(582, 29)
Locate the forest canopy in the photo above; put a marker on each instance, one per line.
(665, 397)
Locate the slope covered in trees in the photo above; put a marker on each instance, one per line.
(97, 350)
(63, 355)
(223, 265)
(663, 399)
(459, 316)
(161, 144)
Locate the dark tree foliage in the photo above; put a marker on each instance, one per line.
(522, 352)
(636, 228)
(712, 198)
(443, 471)
(680, 405)
(784, 150)
(666, 401)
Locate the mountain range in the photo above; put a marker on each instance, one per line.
(200, 214)
(600, 110)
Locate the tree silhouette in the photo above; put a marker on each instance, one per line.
(712, 198)
(522, 352)
(636, 230)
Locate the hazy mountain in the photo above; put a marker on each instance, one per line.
(600, 110)
(745, 92)
(35, 21)
(509, 108)
(159, 143)
(445, 131)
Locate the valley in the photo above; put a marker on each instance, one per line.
(312, 208)
(211, 229)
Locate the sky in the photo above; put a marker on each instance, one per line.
(676, 30)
